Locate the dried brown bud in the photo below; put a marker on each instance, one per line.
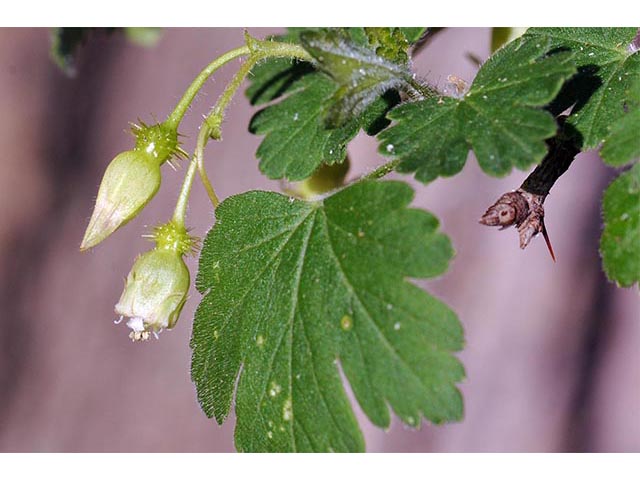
(511, 208)
(524, 210)
(533, 224)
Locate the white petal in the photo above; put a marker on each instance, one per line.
(136, 324)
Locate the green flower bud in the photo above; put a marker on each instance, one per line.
(130, 181)
(156, 288)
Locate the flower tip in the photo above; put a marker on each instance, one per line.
(100, 227)
(90, 240)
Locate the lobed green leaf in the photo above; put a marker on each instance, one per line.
(295, 290)
(296, 140)
(498, 118)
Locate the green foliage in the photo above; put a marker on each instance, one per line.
(497, 118)
(296, 141)
(299, 294)
(291, 288)
(623, 143)
(318, 117)
(606, 70)
(620, 242)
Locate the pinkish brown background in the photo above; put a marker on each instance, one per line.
(553, 350)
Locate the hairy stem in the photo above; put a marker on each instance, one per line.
(212, 125)
(257, 50)
(174, 119)
(382, 170)
(203, 137)
(424, 90)
(180, 211)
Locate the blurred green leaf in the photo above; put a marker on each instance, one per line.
(65, 42)
(143, 36)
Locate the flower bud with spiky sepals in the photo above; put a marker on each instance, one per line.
(156, 288)
(130, 181)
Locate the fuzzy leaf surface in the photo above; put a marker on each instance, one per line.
(606, 71)
(498, 118)
(362, 72)
(292, 289)
(620, 242)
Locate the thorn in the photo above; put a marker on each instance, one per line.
(546, 239)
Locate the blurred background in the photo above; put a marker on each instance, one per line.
(553, 350)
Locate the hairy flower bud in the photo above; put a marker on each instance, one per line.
(156, 288)
(130, 181)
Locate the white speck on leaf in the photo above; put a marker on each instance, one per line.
(287, 410)
(275, 389)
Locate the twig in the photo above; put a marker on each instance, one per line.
(524, 206)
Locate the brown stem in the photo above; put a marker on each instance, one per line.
(562, 150)
(524, 206)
